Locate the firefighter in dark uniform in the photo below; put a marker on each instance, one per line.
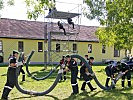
(130, 62)
(110, 71)
(86, 57)
(11, 76)
(63, 65)
(21, 67)
(73, 67)
(86, 75)
(126, 73)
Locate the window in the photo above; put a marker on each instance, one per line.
(116, 52)
(103, 48)
(1, 46)
(89, 48)
(40, 46)
(20, 46)
(57, 47)
(74, 47)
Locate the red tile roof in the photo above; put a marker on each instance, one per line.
(12, 28)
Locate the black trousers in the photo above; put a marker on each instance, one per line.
(108, 73)
(10, 83)
(128, 76)
(74, 73)
(87, 81)
(23, 73)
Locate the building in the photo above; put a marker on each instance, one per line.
(25, 36)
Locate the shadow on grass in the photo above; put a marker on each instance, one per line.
(55, 98)
(43, 74)
(3, 74)
(122, 90)
(40, 74)
(84, 94)
(42, 70)
(22, 98)
(105, 95)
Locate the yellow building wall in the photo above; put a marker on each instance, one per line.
(132, 52)
(97, 51)
(65, 48)
(12, 44)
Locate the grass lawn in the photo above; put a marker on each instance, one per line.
(63, 90)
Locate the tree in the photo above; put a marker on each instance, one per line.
(8, 2)
(117, 18)
(34, 7)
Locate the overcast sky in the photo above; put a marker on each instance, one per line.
(19, 11)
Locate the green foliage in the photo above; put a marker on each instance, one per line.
(117, 16)
(1, 4)
(36, 7)
(5, 2)
(10, 2)
(106, 36)
(95, 9)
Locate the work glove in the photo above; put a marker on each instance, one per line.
(88, 73)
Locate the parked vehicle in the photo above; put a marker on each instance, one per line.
(129, 62)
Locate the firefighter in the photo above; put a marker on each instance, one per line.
(87, 76)
(11, 75)
(86, 58)
(61, 27)
(69, 20)
(73, 67)
(110, 72)
(21, 67)
(126, 74)
(63, 65)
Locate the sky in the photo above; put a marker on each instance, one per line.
(19, 11)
